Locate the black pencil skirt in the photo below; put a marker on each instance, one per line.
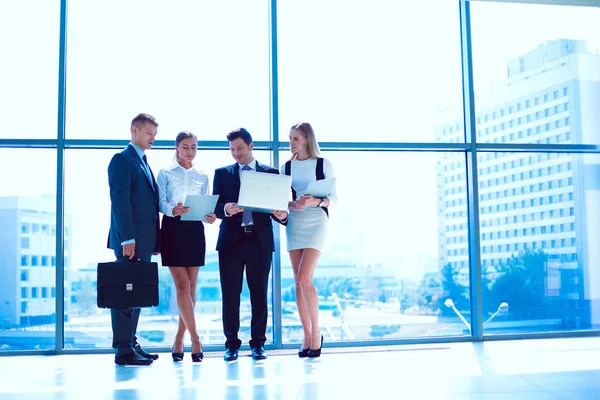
(182, 243)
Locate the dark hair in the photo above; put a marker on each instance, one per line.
(141, 119)
(240, 133)
(184, 135)
(180, 137)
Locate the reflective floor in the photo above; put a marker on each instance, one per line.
(526, 369)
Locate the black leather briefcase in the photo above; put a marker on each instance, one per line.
(127, 284)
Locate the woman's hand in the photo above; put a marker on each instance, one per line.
(296, 205)
(309, 200)
(179, 209)
(210, 218)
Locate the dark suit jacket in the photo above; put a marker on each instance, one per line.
(134, 203)
(226, 184)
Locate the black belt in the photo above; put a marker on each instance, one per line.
(248, 228)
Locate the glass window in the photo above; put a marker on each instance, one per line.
(217, 62)
(520, 55)
(369, 70)
(360, 275)
(82, 191)
(24, 292)
(29, 79)
(537, 283)
(27, 199)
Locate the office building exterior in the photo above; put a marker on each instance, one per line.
(531, 201)
(28, 258)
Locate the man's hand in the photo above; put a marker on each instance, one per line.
(280, 215)
(129, 250)
(210, 218)
(179, 209)
(232, 209)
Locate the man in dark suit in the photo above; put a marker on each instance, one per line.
(134, 227)
(245, 240)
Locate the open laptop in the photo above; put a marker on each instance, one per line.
(264, 192)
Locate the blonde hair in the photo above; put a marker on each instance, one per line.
(309, 134)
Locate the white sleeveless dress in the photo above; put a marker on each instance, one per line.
(307, 228)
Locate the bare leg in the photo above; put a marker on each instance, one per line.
(185, 304)
(296, 259)
(308, 263)
(193, 276)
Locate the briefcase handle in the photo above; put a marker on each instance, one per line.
(126, 259)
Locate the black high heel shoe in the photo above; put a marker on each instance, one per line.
(315, 353)
(197, 357)
(176, 356)
(302, 353)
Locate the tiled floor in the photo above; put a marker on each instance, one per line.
(566, 369)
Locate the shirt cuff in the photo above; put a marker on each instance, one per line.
(127, 242)
(170, 212)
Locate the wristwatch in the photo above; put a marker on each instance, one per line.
(322, 203)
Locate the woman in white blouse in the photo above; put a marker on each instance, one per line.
(306, 230)
(183, 245)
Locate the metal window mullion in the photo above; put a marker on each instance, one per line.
(60, 165)
(277, 314)
(471, 163)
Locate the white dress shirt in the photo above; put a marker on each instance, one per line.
(175, 183)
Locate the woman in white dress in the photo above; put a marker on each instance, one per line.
(183, 245)
(306, 230)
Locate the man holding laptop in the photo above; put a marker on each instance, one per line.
(245, 240)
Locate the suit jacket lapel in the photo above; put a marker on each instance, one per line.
(236, 179)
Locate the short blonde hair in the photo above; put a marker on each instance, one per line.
(307, 131)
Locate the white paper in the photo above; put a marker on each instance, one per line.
(322, 188)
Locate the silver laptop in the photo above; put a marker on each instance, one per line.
(264, 192)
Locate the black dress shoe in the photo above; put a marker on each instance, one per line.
(231, 355)
(316, 353)
(138, 349)
(132, 359)
(197, 357)
(258, 353)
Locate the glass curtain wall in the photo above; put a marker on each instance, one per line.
(443, 230)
